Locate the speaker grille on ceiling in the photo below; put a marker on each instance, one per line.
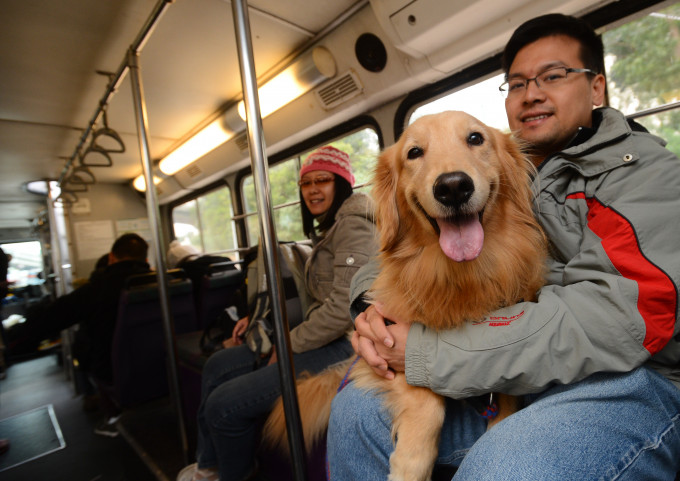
(340, 90)
(193, 171)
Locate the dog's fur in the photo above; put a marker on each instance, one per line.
(446, 172)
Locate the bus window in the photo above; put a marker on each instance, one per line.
(483, 100)
(643, 68)
(285, 199)
(26, 264)
(363, 148)
(206, 223)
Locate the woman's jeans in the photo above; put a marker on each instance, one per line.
(236, 398)
(606, 427)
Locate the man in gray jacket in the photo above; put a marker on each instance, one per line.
(597, 357)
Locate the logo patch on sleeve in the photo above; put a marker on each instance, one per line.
(496, 321)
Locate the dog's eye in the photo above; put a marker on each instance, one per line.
(475, 138)
(415, 152)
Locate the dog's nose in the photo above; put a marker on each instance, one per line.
(453, 189)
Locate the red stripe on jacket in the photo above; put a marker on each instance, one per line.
(657, 300)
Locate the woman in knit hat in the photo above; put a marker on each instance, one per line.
(237, 396)
(326, 181)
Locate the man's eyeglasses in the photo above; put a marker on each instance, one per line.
(552, 78)
(319, 181)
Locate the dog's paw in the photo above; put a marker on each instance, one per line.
(409, 468)
(396, 478)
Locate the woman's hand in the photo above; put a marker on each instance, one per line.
(237, 335)
(382, 347)
(272, 359)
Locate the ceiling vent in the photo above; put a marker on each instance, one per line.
(193, 171)
(340, 90)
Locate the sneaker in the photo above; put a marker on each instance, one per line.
(192, 473)
(187, 473)
(107, 427)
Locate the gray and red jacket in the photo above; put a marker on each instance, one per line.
(610, 205)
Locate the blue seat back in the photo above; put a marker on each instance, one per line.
(139, 354)
(218, 290)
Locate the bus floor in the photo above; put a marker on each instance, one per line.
(41, 381)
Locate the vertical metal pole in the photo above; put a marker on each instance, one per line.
(57, 232)
(154, 222)
(268, 239)
(57, 235)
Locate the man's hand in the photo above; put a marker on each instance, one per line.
(382, 347)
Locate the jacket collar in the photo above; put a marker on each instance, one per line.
(358, 204)
(595, 150)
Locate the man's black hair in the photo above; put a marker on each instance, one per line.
(130, 246)
(592, 50)
(343, 190)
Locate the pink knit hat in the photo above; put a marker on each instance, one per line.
(330, 159)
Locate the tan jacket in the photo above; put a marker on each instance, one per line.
(334, 260)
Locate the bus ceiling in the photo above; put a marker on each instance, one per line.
(66, 69)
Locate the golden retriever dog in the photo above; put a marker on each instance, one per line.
(458, 239)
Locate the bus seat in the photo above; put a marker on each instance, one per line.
(139, 350)
(216, 291)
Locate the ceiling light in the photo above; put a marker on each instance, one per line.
(305, 74)
(196, 147)
(39, 187)
(42, 187)
(140, 183)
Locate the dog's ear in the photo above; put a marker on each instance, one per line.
(384, 193)
(517, 168)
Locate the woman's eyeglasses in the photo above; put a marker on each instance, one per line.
(319, 181)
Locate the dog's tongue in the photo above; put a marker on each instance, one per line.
(461, 239)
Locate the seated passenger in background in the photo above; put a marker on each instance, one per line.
(236, 395)
(179, 253)
(94, 307)
(190, 259)
(99, 267)
(4, 290)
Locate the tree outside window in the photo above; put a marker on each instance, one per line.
(643, 68)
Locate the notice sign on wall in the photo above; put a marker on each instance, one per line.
(94, 238)
(139, 226)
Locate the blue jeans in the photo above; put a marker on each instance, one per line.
(606, 427)
(236, 399)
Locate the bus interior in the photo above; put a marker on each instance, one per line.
(103, 102)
